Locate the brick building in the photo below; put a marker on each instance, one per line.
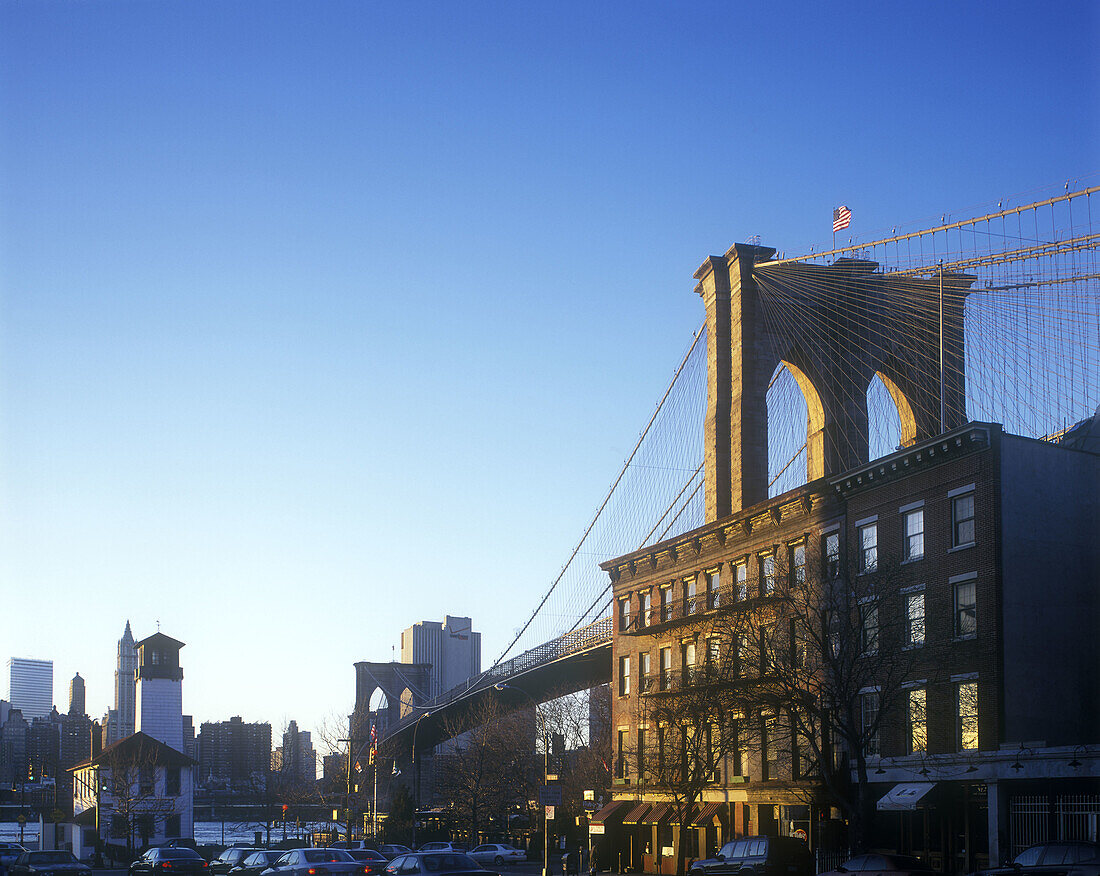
(982, 731)
(234, 755)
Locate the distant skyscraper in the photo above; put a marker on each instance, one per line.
(125, 689)
(296, 757)
(30, 686)
(452, 648)
(76, 695)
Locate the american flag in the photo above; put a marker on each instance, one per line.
(373, 734)
(842, 218)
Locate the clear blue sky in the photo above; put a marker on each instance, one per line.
(321, 318)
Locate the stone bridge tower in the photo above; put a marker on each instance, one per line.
(835, 327)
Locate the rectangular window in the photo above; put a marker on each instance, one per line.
(966, 702)
(744, 654)
(741, 580)
(796, 561)
(868, 627)
(622, 770)
(714, 582)
(770, 643)
(666, 603)
(641, 753)
(624, 614)
(966, 609)
(869, 707)
(146, 778)
(962, 520)
(914, 534)
(172, 826)
(714, 652)
(733, 734)
(647, 608)
(868, 547)
(918, 720)
(172, 782)
(767, 575)
(914, 619)
(771, 747)
(662, 734)
(624, 676)
(687, 653)
(689, 596)
(666, 669)
(644, 678)
(830, 550)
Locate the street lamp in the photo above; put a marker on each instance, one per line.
(416, 774)
(501, 686)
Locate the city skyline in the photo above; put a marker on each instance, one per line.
(320, 323)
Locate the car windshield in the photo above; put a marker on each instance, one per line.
(51, 858)
(321, 856)
(449, 861)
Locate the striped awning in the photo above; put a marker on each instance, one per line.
(710, 813)
(659, 814)
(636, 814)
(610, 812)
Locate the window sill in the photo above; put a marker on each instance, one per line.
(909, 560)
(913, 646)
(962, 547)
(968, 637)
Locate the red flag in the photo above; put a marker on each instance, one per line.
(842, 218)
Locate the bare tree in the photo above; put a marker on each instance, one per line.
(128, 787)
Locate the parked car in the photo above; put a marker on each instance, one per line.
(257, 862)
(229, 859)
(8, 853)
(48, 863)
(351, 845)
(181, 861)
(442, 847)
(497, 853)
(316, 862)
(1053, 859)
(883, 865)
(436, 863)
(374, 862)
(759, 855)
(392, 850)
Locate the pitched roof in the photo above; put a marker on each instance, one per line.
(160, 639)
(138, 748)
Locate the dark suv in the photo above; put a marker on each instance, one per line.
(759, 856)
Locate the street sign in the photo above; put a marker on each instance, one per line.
(549, 813)
(550, 795)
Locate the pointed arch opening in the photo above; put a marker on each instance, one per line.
(796, 429)
(890, 420)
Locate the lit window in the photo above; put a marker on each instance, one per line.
(744, 653)
(966, 609)
(714, 582)
(741, 579)
(798, 564)
(868, 547)
(644, 679)
(689, 595)
(869, 705)
(868, 628)
(966, 701)
(962, 520)
(767, 574)
(647, 608)
(831, 552)
(914, 619)
(624, 613)
(687, 654)
(918, 720)
(914, 534)
(714, 651)
(666, 603)
(624, 676)
(666, 669)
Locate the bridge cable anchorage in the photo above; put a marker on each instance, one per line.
(700, 333)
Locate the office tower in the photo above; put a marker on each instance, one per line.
(76, 695)
(125, 721)
(30, 686)
(451, 647)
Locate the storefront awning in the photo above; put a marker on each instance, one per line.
(659, 814)
(904, 797)
(709, 814)
(636, 814)
(611, 812)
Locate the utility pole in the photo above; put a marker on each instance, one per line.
(351, 748)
